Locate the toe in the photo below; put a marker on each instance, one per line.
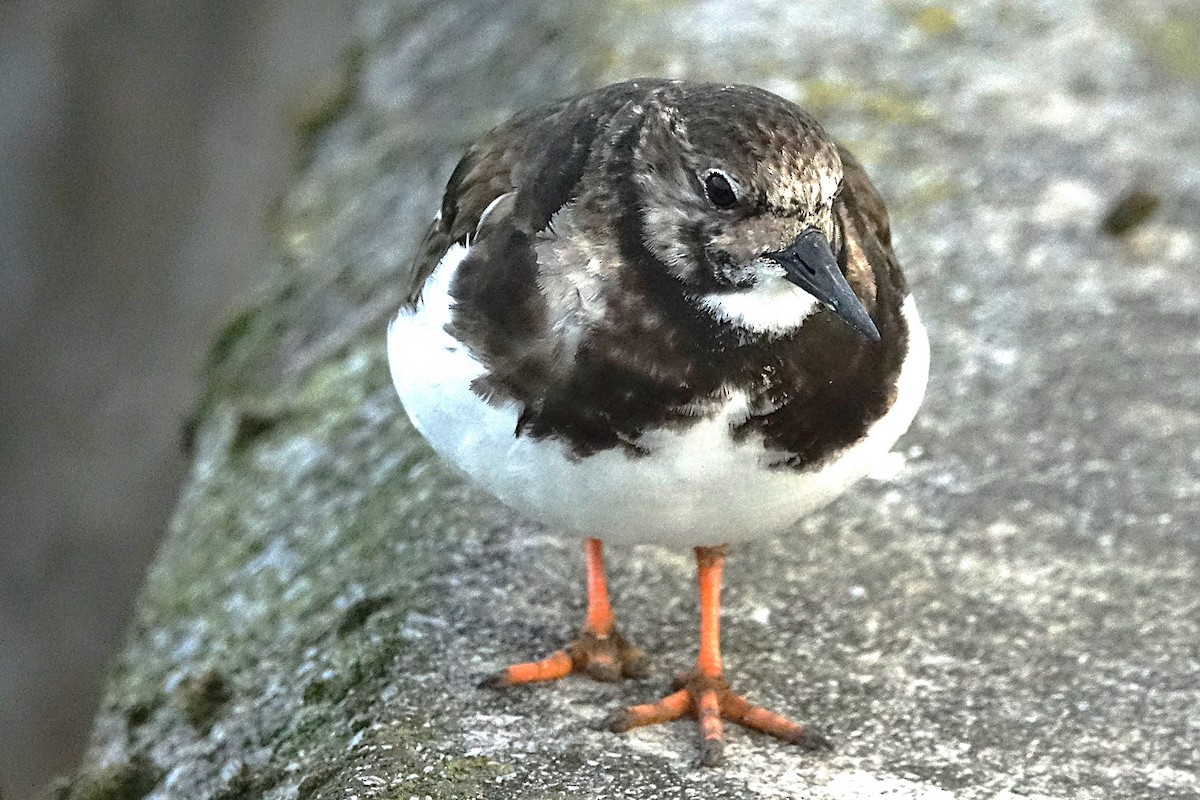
(708, 714)
(737, 709)
(551, 668)
(671, 707)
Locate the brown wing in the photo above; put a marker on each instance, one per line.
(483, 174)
(870, 264)
(539, 155)
(521, 156)
(862, 199)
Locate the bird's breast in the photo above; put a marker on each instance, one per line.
(710, 476)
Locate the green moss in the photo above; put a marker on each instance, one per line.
(359, 611)
(200, 698)
(922, 194)
(251, 424)
(139, 713)
(456, 779)
(1176, 46)
(323, 101)
(401, 750)
(125, 780)
(316, 780)
(936, 21)
(361, 670)
(1173, 44)
(825, 97)
(249, 783)
(229, 337)
(328, 99)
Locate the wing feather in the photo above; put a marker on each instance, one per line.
(863, 217)
(539, 155)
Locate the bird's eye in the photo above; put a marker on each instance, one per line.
(719, 189)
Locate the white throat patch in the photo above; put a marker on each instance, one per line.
(772, 306)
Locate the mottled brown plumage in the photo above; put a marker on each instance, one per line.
(639, 352)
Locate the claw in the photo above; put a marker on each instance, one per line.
(671, 707)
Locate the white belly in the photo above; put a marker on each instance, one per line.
(698, 486)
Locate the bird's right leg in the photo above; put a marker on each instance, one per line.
(599, 651)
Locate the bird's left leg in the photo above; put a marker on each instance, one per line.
(703, 691)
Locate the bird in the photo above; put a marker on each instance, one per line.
(666, 312)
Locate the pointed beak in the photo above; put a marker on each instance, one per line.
(809, 263)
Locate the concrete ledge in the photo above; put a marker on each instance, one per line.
(1015, 613)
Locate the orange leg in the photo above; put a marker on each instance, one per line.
(704, 692)
(599, 651)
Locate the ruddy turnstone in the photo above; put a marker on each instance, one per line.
(663, 312)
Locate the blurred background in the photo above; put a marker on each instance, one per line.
(141, 145)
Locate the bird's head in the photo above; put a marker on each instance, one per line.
(736, 189)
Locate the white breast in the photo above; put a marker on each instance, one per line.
(698, 486)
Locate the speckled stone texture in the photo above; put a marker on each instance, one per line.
(1014, 613)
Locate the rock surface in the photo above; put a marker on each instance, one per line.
(1015, 613)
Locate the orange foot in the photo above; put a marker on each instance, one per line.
(709, 699)
(605, 657)
(599, 652)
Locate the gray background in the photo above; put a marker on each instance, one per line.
(1015, 614)
(141, 143)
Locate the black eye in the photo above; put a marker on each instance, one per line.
(719, 189)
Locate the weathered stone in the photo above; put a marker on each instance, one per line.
(1015, 614)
